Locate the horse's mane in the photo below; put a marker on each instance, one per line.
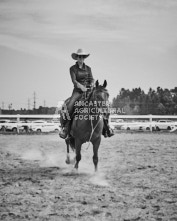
(100, 88)
(97, 89)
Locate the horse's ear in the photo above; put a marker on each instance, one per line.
(105, 83)
(97, 83)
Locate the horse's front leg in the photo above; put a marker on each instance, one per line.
(96, 144)
(78, 153)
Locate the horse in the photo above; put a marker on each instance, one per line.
(87, 123)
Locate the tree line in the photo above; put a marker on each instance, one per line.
(40, 110)
(136, 101)
(157, 102)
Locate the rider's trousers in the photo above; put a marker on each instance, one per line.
(74, 97)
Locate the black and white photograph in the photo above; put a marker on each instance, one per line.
(88, 110)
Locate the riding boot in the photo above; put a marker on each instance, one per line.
(104, 132)
(107, 131)
(65, 130)
(110, 132)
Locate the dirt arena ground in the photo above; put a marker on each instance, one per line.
(137, 179)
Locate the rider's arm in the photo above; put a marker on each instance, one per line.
(90, 77)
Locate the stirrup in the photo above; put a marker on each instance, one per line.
(68, 137)
(63, 134)
(110, 132)
(104, 133)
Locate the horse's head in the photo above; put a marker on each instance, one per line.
(100, 93)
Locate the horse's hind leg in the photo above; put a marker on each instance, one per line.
(96, 145)
(78, 153)
(67, 155)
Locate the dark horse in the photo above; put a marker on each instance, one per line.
(87, 123)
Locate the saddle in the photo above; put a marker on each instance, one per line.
(64, 115)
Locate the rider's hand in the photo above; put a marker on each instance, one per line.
(82, 87)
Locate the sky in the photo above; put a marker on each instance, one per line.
(132, 43)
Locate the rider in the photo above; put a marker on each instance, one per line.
(81, 76)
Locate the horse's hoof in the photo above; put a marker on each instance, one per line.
(76, 166)
(67, 161)
(73, 161)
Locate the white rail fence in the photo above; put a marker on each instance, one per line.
(19, 117)
(30, 116)
(150, 118)
(53, 116)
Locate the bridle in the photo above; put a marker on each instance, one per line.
(96, 96)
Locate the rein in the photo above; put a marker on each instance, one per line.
(93, 129)
(99, 115)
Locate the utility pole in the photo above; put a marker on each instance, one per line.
(29, 104)
(34, 97)
(44, 103)
(2, 105)
(10, 106)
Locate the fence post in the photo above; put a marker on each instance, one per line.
(18, 121)
(150, 120)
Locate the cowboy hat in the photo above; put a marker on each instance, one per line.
(78, 53)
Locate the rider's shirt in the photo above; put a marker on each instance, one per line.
(82, 75)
